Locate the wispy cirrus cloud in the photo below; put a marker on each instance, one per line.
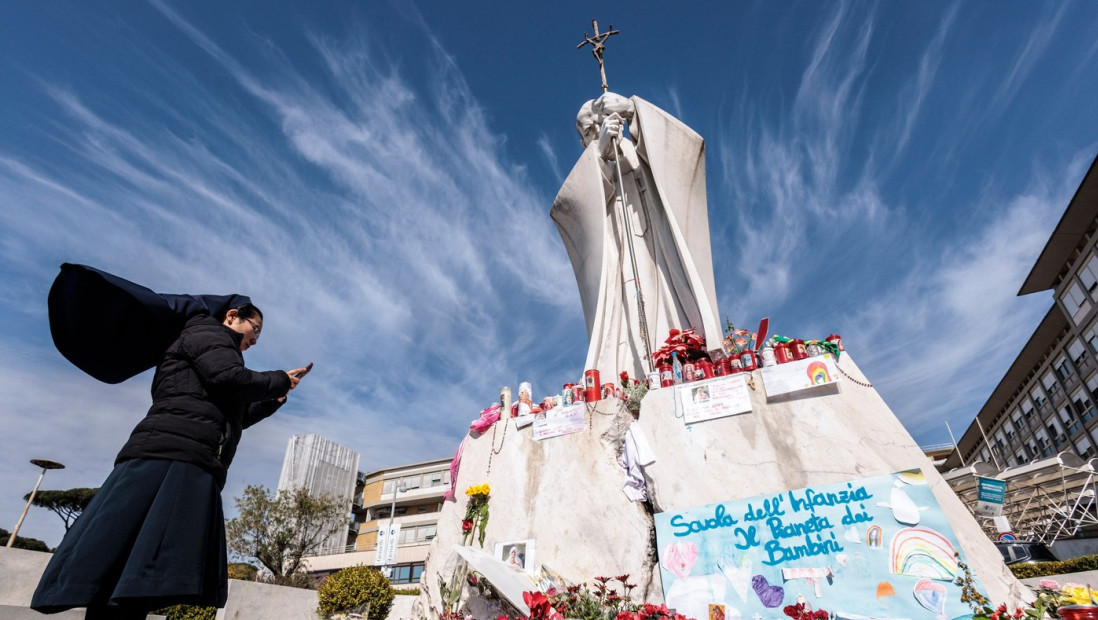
(825, 214)
(956, 310)
(373, 216)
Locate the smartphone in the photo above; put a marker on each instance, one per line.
(302, 374)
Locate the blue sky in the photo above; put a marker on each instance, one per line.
(378, 177)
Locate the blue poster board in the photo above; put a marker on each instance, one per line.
(877, 548)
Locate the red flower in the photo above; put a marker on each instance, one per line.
(539, 606)
(467, 525)
(625, 615)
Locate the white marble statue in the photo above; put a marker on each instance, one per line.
(663, 173)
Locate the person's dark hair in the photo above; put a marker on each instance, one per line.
(249, 311)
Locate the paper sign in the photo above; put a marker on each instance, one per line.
(990, 496)
(877, 547)
(713, 398)
(559, 421)
(800, 375)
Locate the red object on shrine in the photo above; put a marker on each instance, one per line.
(667, 375)
(707, 369)
(609, 390)
(837, 339)
(569, 394)
(747, 360)
(796, 348)
(782, 354)
(1077, 612)
(591, 386)
(578, 394)
(723, 367)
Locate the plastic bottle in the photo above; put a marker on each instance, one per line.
(676, 367)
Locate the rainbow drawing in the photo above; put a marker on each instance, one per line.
(922, 552)
(817, 373)
(873, 536)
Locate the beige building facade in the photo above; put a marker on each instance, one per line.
(413, 493)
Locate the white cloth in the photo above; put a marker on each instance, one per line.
(665, 201)
(636, 456)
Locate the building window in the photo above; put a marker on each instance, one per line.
(1027, 409)
(1062, 368)
(1077, 352)
(1091, 336)
(1038, 399)
(409, 573)
(1088, 275)
(401, 511)
(1075, 302)
(1082, 405)
(435, 479)
(426, 532)
(1083, 447)
(387, 487)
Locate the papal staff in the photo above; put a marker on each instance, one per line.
(598, 44)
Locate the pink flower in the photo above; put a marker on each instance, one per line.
(1049, 584)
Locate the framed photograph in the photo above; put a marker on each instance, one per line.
(517, 554)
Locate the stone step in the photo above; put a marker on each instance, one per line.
(17, 612)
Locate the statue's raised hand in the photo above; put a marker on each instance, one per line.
(610, 133)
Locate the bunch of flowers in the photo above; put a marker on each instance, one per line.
(651, 612)
(735, 340)
(476, 514)
(607, 599)
(686, 343)
(1050, 597)
(633, 392)
(803, 611)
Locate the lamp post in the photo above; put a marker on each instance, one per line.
(385, 568)
(45, 465)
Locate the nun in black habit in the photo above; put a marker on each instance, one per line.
(154, 535)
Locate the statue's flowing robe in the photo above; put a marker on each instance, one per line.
(665, 201)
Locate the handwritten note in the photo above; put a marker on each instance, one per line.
(559, 421)
(713, 398)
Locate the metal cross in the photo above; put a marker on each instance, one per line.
(598, 43)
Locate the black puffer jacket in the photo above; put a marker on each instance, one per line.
(203, 398)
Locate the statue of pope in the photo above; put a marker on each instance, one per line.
(663, 176)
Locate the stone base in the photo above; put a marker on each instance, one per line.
(565, 492)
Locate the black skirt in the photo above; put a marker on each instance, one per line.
(153, 536)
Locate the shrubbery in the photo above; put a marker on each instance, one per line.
(187, 612)
(351, 589)
(1044, 569)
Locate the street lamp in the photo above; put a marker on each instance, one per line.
(400, 488)
(45, 465)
